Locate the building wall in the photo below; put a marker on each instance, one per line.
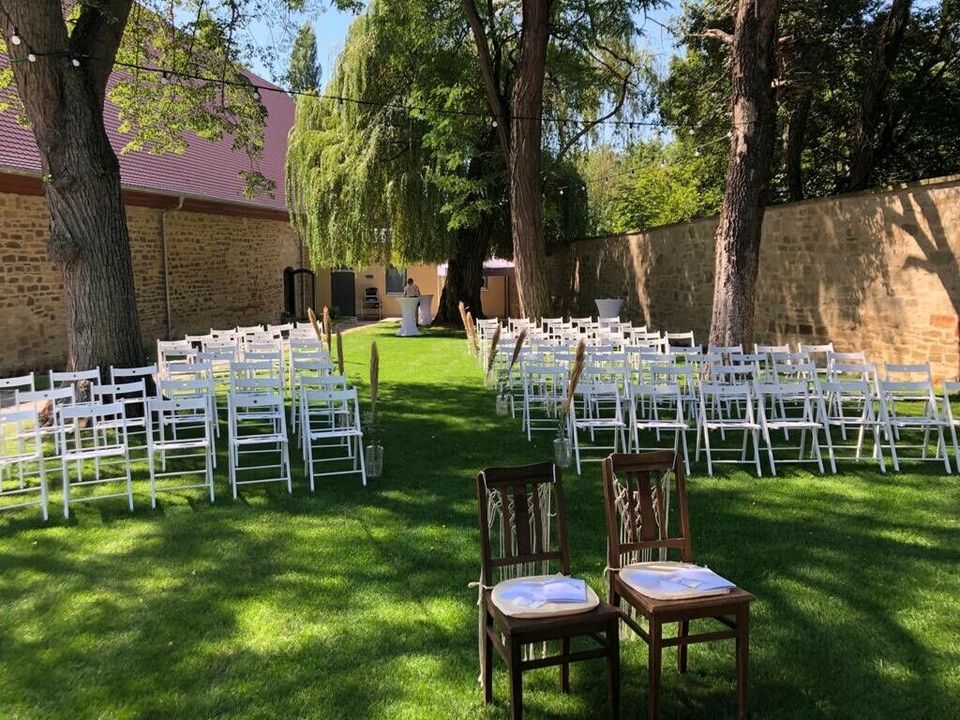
(873, 272)
(224, 271)
(425, 277)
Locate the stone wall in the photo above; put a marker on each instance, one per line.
(224, 270)
(877, 272)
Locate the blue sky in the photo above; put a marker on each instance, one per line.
(331, 27)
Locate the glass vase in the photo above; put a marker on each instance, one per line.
(373, 459)
(562, 452)
(503, 404)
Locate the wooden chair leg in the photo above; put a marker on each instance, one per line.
(613, 668)
(683, 632)
(516, 680)
(655, 656)
(743, 659)
(486, 669)
(565, 667)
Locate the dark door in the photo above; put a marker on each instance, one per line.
(343, 292)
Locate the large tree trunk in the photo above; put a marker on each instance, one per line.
(889, 42)
(748, 171)
(88, 228)
(465, 275)
(529, 254)
(794, 140)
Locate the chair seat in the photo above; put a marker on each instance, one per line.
(103, 451)
(668, 610)
(547, 610)
(180, 444)
(551, 627)
(259, 439)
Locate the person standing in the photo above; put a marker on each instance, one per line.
(411, 290)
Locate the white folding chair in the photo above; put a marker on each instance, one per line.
(951, 390)
(21, 455)
(599, 410)
(544, 388)
(331, 433)
(178, 430)
(819, 356)
(174, 351)
(133, 395)
(656, 409)
(258, 428)
(39, 400)
(918, 394)
(789, 406)
(59, 379)
(680, 338)
(850, 405)
(94, 432)
(727, 409)
(193, 388)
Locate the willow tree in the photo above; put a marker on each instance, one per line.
(412, 172)
(62, 56)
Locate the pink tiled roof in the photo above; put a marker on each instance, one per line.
(207, 170)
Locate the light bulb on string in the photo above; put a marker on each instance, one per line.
(31, 56)
(15, 38)
(75, 62)
(256, 94)
(494, 123)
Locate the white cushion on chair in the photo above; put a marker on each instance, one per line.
(548, 609)
(652, 579)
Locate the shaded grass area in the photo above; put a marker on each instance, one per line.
(353, 602)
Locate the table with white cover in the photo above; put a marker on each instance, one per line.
(408, 322)
(426, 312)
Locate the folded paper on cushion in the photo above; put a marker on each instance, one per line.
(674, 581)
(534, 592)
(544, 596)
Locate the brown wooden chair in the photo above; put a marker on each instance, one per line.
(637, 496)
(521, 515)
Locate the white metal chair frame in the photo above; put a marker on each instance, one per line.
(21, 453)
(98, 432)
(331, 422)
(188, 421)
(257, 425)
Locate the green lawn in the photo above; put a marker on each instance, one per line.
(353, 602)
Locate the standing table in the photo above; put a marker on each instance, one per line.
(408, 324)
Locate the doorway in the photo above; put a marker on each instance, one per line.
(343, 292)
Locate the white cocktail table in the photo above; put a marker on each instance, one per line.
(408, 323)
(608, 308)
(426, 314)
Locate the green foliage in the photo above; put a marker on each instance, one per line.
(303, 74)
(652, 183)
(827, 58)
(399, 175)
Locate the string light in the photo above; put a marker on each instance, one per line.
(166, 75)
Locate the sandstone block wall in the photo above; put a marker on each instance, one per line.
(223, 271)
(877, 272)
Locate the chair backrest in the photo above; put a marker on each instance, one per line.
(515, 506)
(19, 435)
(681, 338)
(179, 412)
(637, 496)
(61, 378)
(128, 392)
(9, 387)
(123, 374)
(371, 292)
(908, 371)
(769, 349)
(82, 426)
(58, 396)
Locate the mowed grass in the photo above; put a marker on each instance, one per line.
(353, 602)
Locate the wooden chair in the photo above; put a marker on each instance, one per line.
(514, 506)
(634, 531)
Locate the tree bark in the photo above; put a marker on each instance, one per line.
(889, 42)
(794, 140)
(89, 240)
(529, 253)
(752, 141)
(520, 141)
(465, 275)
